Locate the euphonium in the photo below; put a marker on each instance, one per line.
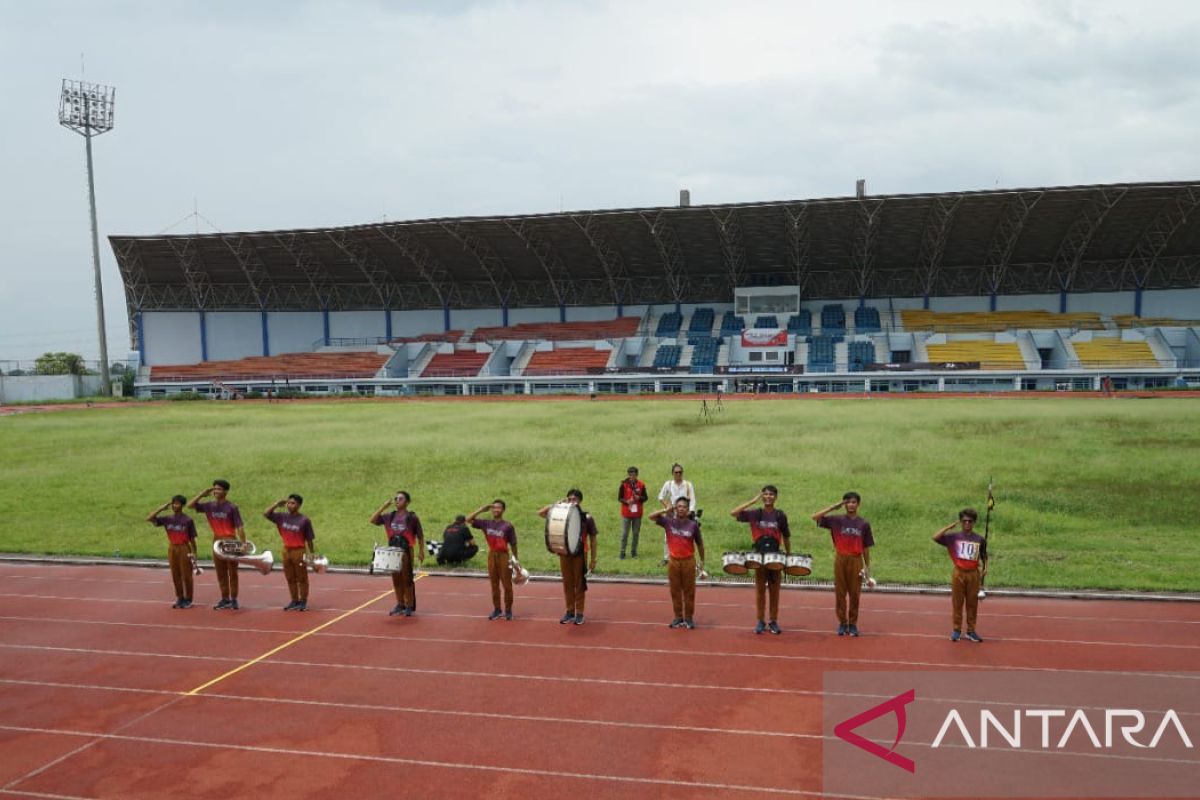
(243, 553)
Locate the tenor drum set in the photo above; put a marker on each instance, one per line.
(796, 565)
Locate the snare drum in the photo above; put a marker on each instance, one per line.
(389, 559)
(798, 564)
(564, 529)
(773, 561)
(734, 563)
(754, 559)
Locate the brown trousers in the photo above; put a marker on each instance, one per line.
(181, 569)
(296, 572)
(500, 575)
(404, 585)
(764, 580)
(227, 577)
(847, 584)
(681, 573)
(964, 588)
(574, 585)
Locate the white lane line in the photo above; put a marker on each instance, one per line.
(602, 621)
(45, 795)
(456, 766)
(858, 661)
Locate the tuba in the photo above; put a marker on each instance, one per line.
(520, 575)
(243, 553)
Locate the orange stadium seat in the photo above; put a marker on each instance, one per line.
(567, 361)
(459, 364)
(292, 365)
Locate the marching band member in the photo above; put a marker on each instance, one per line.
(404, 531)
(297, 533)
(631, 494)
(671, 491)
(968, 551)
(181, 547)
(769, 531)
(683, 542)
(852, 541)
(573, 578)
(501, 539)
(226, 522)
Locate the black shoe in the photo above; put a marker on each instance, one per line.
(187, 603)
(223, 604)
(495, 614)
(774, 628)
(622, 556)
(302, 605)
(233, 606)
(691, 626)
(397, 611)
(508, 615)
(290, 606)
(852, 630)
(633, 554)
(408, 612)
(567, 618)
(579, 619)
(972, 636)
(760, 627)
(842, 629)
(676, 623)
(178, 603)
(955, 636)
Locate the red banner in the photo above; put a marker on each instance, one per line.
(764, 337)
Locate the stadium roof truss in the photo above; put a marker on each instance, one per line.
(1122, 237)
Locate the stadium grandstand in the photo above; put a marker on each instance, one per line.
(1027, 289)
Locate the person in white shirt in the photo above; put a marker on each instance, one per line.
(671, 491)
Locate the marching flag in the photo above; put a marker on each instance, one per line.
(991, 500)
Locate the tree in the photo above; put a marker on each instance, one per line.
(60, 364)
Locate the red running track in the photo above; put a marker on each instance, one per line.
(107, 692)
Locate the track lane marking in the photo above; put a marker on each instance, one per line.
(289, 643)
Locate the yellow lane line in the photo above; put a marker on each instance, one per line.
(291, 642)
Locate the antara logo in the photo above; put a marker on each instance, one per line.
(1127, 721)
(845, 730)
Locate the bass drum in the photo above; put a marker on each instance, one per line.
(564, 529)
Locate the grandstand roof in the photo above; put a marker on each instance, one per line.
(1043, 240)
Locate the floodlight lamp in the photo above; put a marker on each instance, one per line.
(86, 108)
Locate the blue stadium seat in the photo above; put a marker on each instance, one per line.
(702, 322)
(833, 319)
(866, 320)
(732, 324)
(767, 321)
(800, 324)
(860, 354)
(704, 356)
(669, 325)
(667, 356)
(820, 354)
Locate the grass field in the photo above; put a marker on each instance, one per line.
(1090, 492)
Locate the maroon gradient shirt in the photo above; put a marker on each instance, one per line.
(682, 535)
(223, 517)
(499, 533)
(773, 524)
(180, 528)
(402, 525)
(294, 529)
(966, 549)
(851, 535)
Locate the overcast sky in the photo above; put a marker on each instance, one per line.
(290, 114)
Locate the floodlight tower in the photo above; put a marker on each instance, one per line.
(87, 109)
